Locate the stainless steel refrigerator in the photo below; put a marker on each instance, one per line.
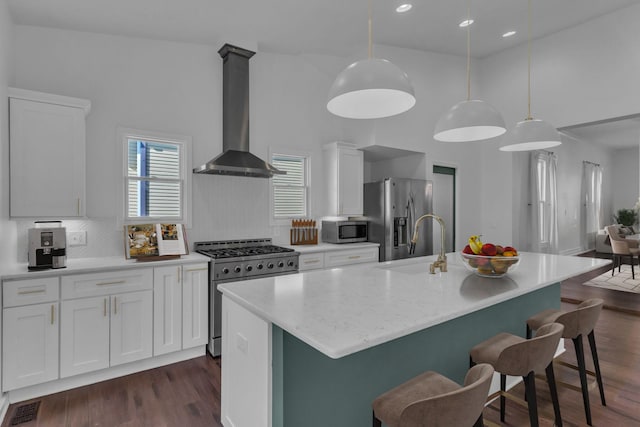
(392, 207)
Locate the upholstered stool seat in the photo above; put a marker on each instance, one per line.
(577, 323)
(431, 399)
(513, 355)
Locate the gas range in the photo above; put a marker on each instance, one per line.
(244, 259)
(234, 260)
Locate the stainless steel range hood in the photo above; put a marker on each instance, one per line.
(236, 158)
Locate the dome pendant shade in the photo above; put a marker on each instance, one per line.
(532, 134)
(371, 89)
(473, 120)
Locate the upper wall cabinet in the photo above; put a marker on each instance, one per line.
(344, 166)
(47, 154)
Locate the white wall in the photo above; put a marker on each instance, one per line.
(7, 228)
(580, 75)
(625, 175)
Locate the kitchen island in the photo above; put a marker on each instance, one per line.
(315, 348)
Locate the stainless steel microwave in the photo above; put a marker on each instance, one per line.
(344, 231)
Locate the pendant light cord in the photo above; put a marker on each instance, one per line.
(370, 30)
(468, 52)
(529, 65)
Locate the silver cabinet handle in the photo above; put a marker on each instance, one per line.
(354, 257)
(312, 261)
(179, 275)
(197, 269)
(117, 282)
(52, 314)
(34, 291)
(115, 305)
(105, 308)
(79, 206)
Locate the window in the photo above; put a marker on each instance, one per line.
(290, 191)
(156, 182)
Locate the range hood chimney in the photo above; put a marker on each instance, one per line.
(236, 158)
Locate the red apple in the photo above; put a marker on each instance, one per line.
(467, 250)
(489, 249)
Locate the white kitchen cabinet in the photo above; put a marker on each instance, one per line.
(84, 335)
(312, 261)
(180, 307)
(195, 305)
(167, 309)
(351, 256)
(105, 331)
(30, 345)
(344, 172)
(131, 327)
(47, 155)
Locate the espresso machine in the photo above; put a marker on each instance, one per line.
(47, 245)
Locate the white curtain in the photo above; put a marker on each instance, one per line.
(591, 203)
(544, 202)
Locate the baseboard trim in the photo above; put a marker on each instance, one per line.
(88, 378)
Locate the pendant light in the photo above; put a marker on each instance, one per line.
(531, 134)
(470, 120)
(371, 88)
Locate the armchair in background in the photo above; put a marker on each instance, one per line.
(622, 247)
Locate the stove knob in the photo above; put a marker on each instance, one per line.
(280, 264)
(270, 265)
(260, 266)
(290, 263)
(237, 269)
(248, 268)
(225, 270)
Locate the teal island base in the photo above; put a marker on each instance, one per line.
(311, 389)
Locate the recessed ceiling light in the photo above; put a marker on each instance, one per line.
(508, 33)
(405, 7)
(465, 23)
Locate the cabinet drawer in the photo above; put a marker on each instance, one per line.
(30, 291)
(311, 261)
(355, 256)
(97, 284)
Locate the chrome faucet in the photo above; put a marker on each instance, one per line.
(441, 263)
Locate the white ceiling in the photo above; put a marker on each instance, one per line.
(337, 27)
(333, 27)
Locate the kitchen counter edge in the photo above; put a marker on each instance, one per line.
(19, 271)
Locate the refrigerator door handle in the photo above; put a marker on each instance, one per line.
(412, 218)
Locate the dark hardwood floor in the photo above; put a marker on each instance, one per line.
(188, 393)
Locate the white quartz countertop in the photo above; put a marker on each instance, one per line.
(341, 311)
(330, 247)
(89, 265)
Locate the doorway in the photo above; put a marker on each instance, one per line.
(444, 204)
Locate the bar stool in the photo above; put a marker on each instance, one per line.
(513, 355)
(577, 323)
(431, 399)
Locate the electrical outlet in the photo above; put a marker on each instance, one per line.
(77, 238)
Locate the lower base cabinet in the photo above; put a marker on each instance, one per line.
(105, 331)
(72, 324)
(30, 345)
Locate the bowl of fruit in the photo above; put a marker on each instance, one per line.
(488, 259)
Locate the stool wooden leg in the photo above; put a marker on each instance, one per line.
(479, 422)
(551, 380)
(596, 364)
(577, 342)
(503, 388)
(613, 268)
(530, 390)
(376, 421)
(633, 274)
